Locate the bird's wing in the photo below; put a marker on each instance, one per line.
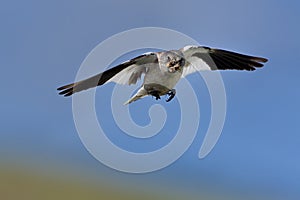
(200, 58)
(128, 72)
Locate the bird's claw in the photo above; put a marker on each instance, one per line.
(171, 94)
(155, 94)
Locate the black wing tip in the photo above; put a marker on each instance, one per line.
(68, 94)
(65, 87)
(60, 88)
(66, 90)
(260, 60)
(239, 61)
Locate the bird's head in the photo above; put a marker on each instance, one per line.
(173, 60)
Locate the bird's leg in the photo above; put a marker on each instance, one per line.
(171, 94)
(155, 94)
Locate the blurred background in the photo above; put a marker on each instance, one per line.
(42, 46)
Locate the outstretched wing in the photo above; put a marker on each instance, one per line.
(128, 72)
(204, 58)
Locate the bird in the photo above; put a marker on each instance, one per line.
(162, 70)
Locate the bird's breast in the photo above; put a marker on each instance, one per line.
(166, 78)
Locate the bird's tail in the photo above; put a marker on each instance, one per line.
(140, 94)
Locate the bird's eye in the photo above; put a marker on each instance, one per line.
(182, 61)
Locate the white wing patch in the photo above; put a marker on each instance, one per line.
(184, 49)
(133, 73)
(195, 63)
(130, 75)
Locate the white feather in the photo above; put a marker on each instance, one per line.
(194, 63)
(133, 73)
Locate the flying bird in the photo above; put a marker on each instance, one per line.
(162, 70)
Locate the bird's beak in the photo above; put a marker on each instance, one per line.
(174, 68)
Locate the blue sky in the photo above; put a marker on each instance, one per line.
(44, 43)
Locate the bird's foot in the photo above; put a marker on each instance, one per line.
(171, 94)
(155, 94)
(157, 97)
